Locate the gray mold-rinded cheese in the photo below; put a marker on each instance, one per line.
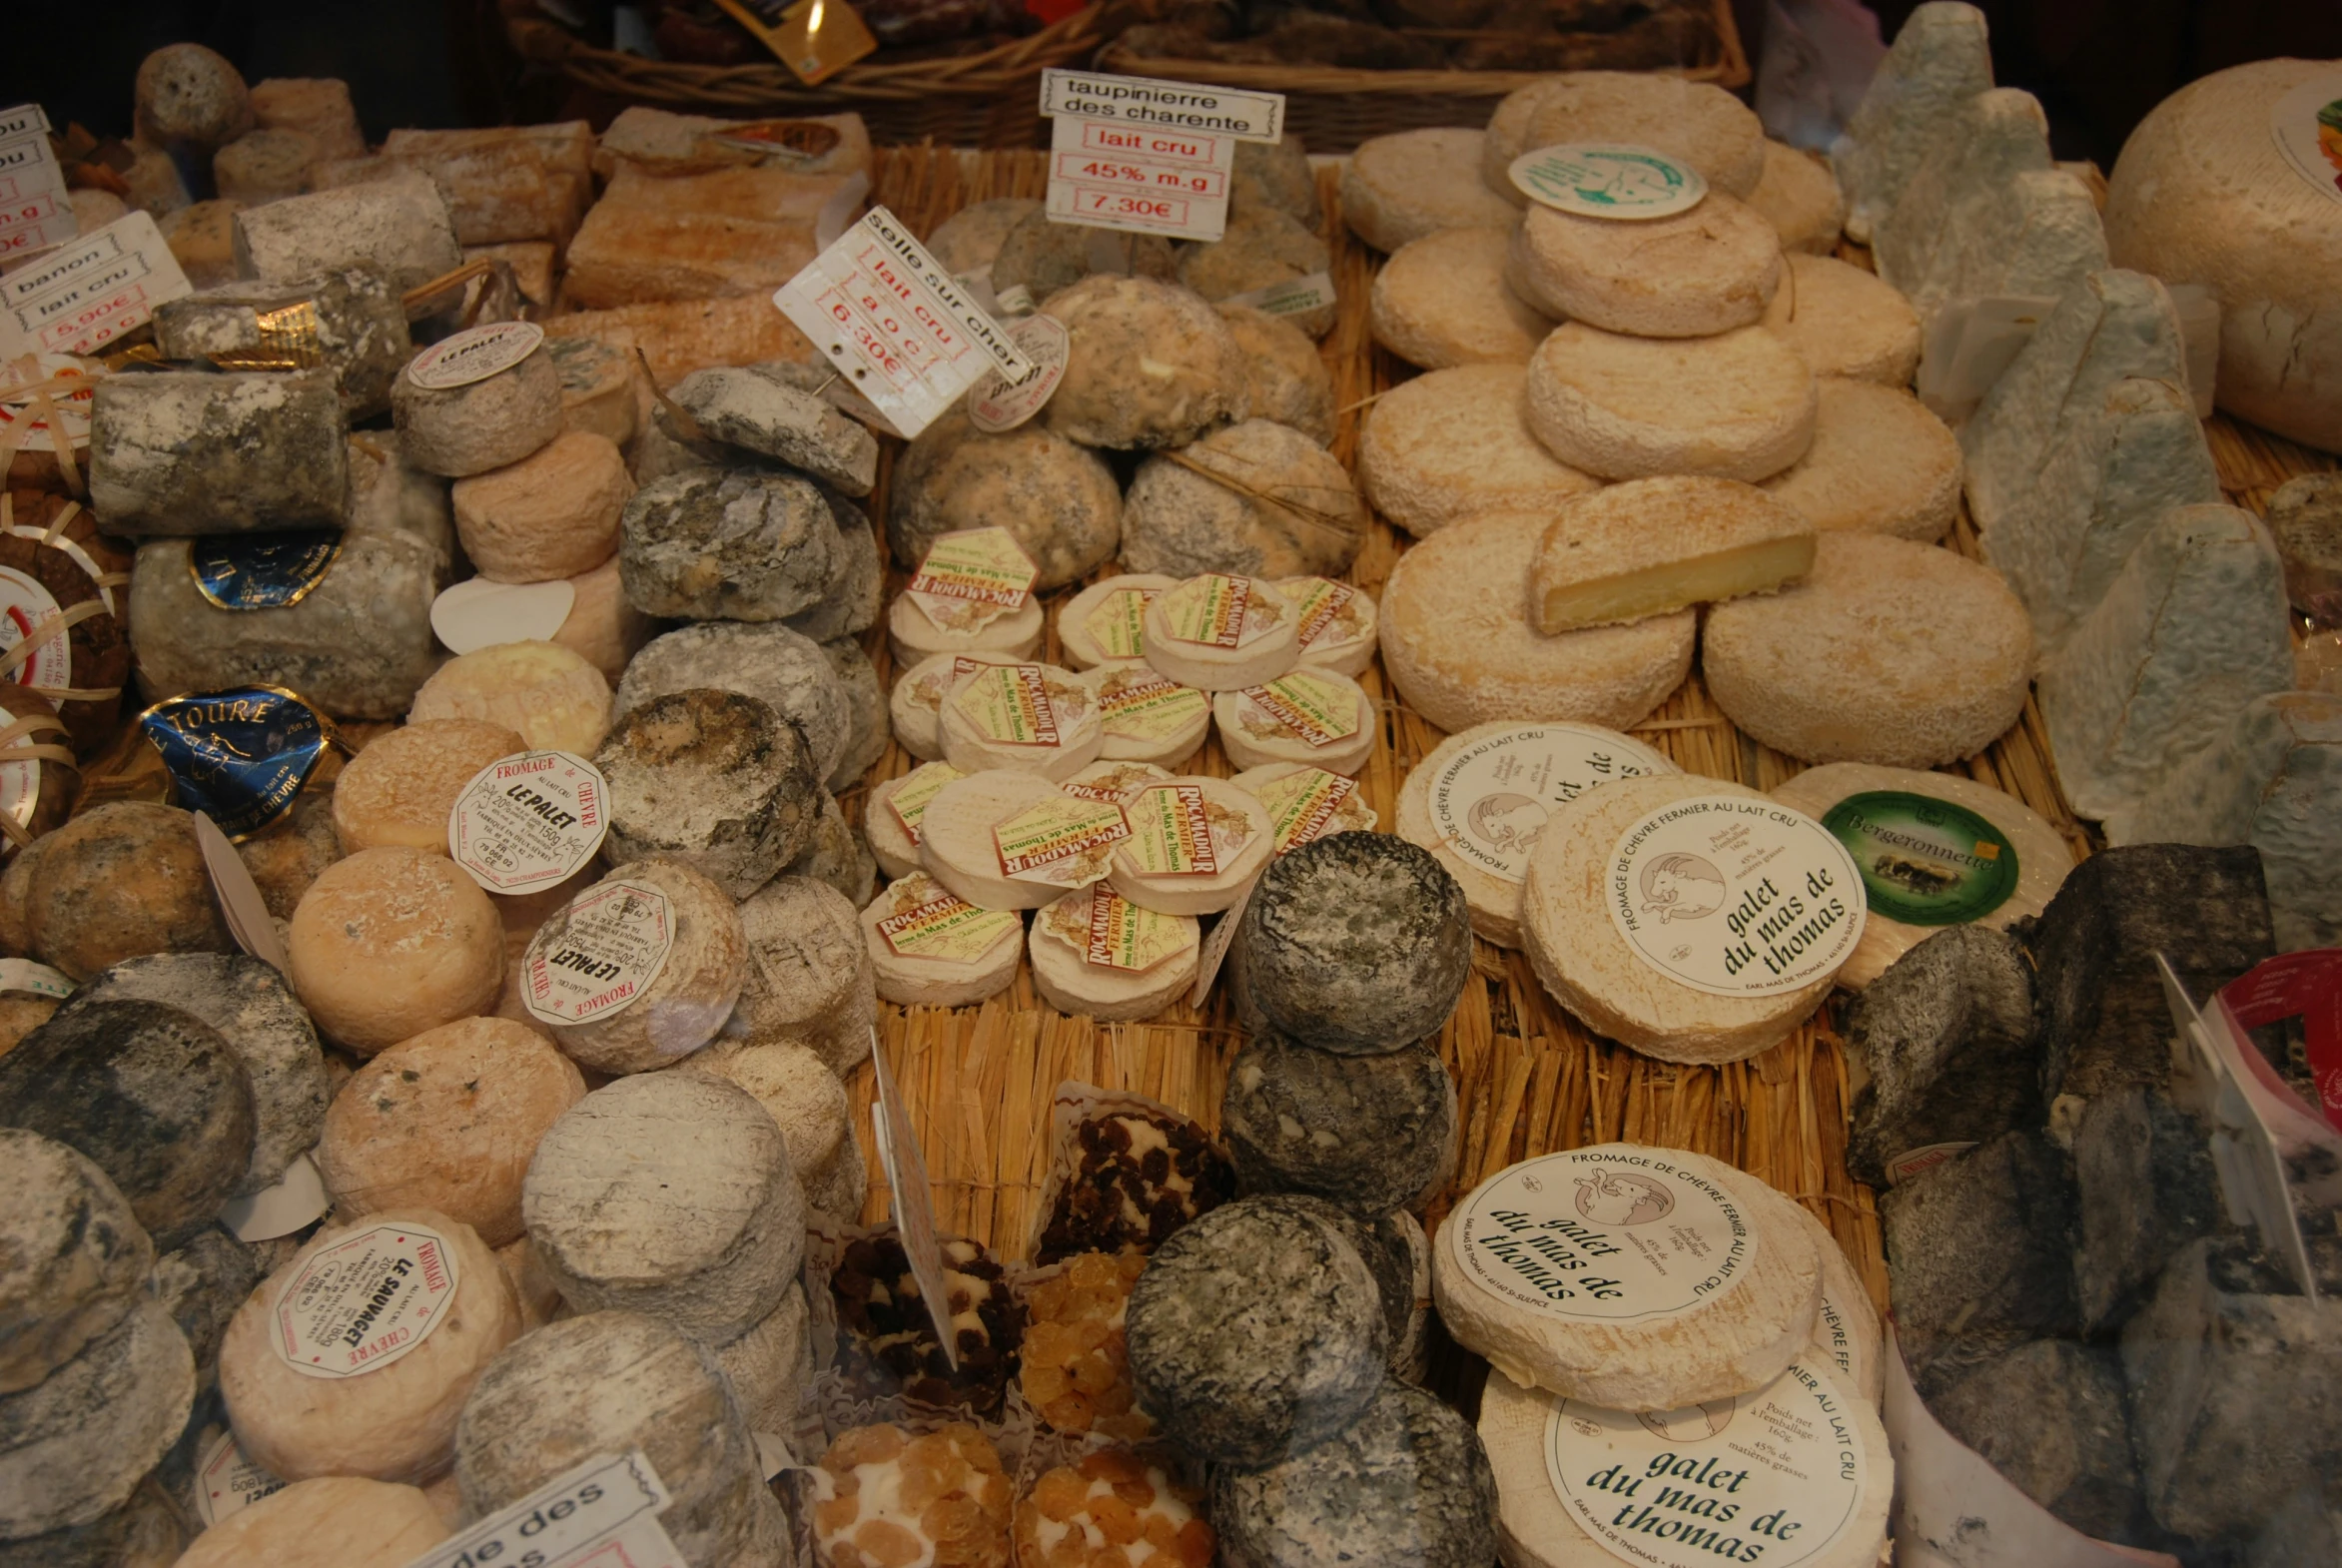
(254, 1010)
(837, 855)
(153, 1096)
(747, 407)
(73, 1447)
(201, 1285)
(2307, 1528)
(1059, 500)
(1357, 943)
(598, 391)
(1938, 62)
(790, 674)
(969, 240)
(1147, 365)
(809, 972)
(672, 1195)
(606, 1383)
(398, 221)
(2274, 782)
(189, 94)
(1980, 1256)
(1256, 498)
(1256, 1333)
(2143, 1168)
(1370, 1134)
(347, 321)
(1409, 1483)
(359, 645)
(481, 424)
(145, 1532)
(1947, 1034)
(125, 879)
(806, 1101)
(2049, 1416)
(72, 1258)
(2191, 629)
(184, 452)
(2235, 1390)
(768, 1366)
(1260, 250)
(2105, 1019)
(868, 728)
(2305, 518)
(728, 545)
(1042, 257)
(1276, 174)
(694, 991)
(1284, 375)
(720, 781)
(857, 587)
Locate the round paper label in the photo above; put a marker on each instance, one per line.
(1613, 1232)
(473, 355)
(1924, 861)
(993, 405)
(529, 821)
(1774, 1477)
(1737, 897)
(364, 1302)
(1119, 624)
(1609, 180)
(600, 954)
(227, 1483)
(25, 607)
(2307, 123)
(1490, 800)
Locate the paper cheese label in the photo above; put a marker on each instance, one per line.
(28, 616)
(474, 355)
(227, 1482)
(1734, 896)
(603, 1513)
(1310, 803)
(86, 293)
(240, 756)
(1609, 180)
(1291, 296)
(25, 978)
(1777, 1476)
(529, 821)
(364, 1302)
(1171, 832)
(1063, 842)
(1218, 611)
(1115, 781)
(1613, 1233)
(1328, 609)
(2307, 124)
(1147, 156)
(908, 800)
(1490, 800)
(1119, 624)
(598, 956)
(1925, 861)
(1138, 704)
(36, 211)
(972, 577)
(1304, 705)
(931, 923)
(1011, 705)
(997, 403)
(1120, 935)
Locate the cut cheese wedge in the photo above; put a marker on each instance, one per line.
(1096, 953)
(1934, 849)
(915, 706)
(1338, 624)
(1654, 545)
(891, 818)
(1573, 1272)
(913, 635)
(1195, 846)
(1145, 716)
(1310, 715)
(1219, 633)
(1027, 719)
(1108, 620)
(960, 845)
(931, 948)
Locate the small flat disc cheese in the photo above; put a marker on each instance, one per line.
(915, 706)
(1145, 716)
(1217, 632)
(960, 845)
(1937, 848)
(1098, 955)
(1311, 715)
(1843, 320)
(1442, 299)
(1846, 1329)
(549, 694)
(1880, 463)
(1736, 405)
(1108, 620)
(1338, 624)
(1196, 844)
(1396, 189)
(913, 636)
(1514, 1263)
(1450, 445)
(401, 787)
(1027, 718)
(1692, 273)
(1798, 194)
(891, 825)
(932, 948)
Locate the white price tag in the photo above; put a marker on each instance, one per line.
(477, 614)
(35, 211)
(297, 1196)
(604, 1513)
(895, 323)
(84, 294)
(529, 821)
(913, 1200)
(1149, 157)
(997, 404)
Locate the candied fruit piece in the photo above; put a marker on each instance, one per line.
(863, 1445)
(1045, 1384)
(833, 1515)
(888, 1545)
(1073, 1414)
(1161, 1534)
(1195, 1544)
(1094, 1376)
(1059, 1494)
(1112, 1465)
(924, 1480)
(1115, 1519)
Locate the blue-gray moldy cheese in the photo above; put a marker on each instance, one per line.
(73, 1259)
(188, 451)
(751, 408)
(1370, 1134)
(346, 321)
(717, 780)
(797, 677)
(728, 545)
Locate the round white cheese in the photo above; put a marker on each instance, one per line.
(1442, 301)
(1846, 1329)
(1195, 846)
(391, 942)
(1027, 718)
(639, 969)
(1880, 463)
(768, 1367)
(932, 948)
(1108, 620)
(1312, 714)
(1798, 194)
(1338, 624)
(1698, 122)
(1217, 632)
(1736, 405)
(1450, 445)
(1847, 321)
(915, 707)
(1098, 955)
(1687, 274)
(895, 808)
(976, 826)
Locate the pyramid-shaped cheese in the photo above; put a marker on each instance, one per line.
(2274, 781)
(1995, 137)
(2191, 629)
(1939, 61)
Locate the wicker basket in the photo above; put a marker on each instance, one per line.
(1335, 109)
(987, 99)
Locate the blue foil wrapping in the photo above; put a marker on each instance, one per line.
(262, 571)
(240, 756)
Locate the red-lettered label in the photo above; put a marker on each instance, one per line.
(529, 821)
(364, 1302)
(598, 956)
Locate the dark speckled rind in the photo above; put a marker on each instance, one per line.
(143, 1532)
(358, 325)
(718, 780)
(1409, 1485)
(187, 451)
(201, 1285)
(1256, 1333)
(1357, 943)
(728, 545)
(1370, 1134)
(153, 1096)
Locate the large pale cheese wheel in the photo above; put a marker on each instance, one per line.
(1737, 405)
(1845, 320)
(2203, 194)
(1890, 652)
(395, 1421)
(984, 965)
(391, 942)
(550, 695)
(806, 1101)
(1845, 1328)
(1934, 856)
(1687, 274)
(1664, 1336)
(1396, 189)
(447, 1121)
(692, 994)
(1588, 966)
(1452, 443)
(555, 514)
(768, 1366)
(608, 1383)
(1459, 646)
(1880, 463)
(956, 843)
(1030, 718)
(117, 882)
(1442, 299)
(1698, 122)
(401, 787)
(72, 1256)
(1798, 194)
(1650, 546)
(670, 1195)
(332, 1521)
(74, 1445)
(1239, 836)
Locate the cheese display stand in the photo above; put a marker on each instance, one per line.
(1577, 842)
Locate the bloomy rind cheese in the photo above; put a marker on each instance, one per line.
(1687, 274)
(545, 692)
(915, 980)
(1698, 122)
(72, 1261)
(400, 788)
(1844, 321)
(1398, 188)
(482, 424)
(1846, 1329)
(1737, 405)
(913, 635)
(1070, 983)
(956, 843)
(391, 942)
(1254, 739)
(73, 1446)
(1079, 730)
(1081, 646)
(1449, 444)
(1588, 967)
(1880, 463)
(694, 991)
(1272, 648)
(1443, 301)
(714, 779)
(1243, 838)
(332, 1521)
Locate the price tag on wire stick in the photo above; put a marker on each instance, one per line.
(895, 324)
(913, 1200)
(241, 903)
(603, 1514)
(35, 211)
(91, 292)
(1145, 155)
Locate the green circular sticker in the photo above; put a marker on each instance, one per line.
(1608, 180)
(1924, 861)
